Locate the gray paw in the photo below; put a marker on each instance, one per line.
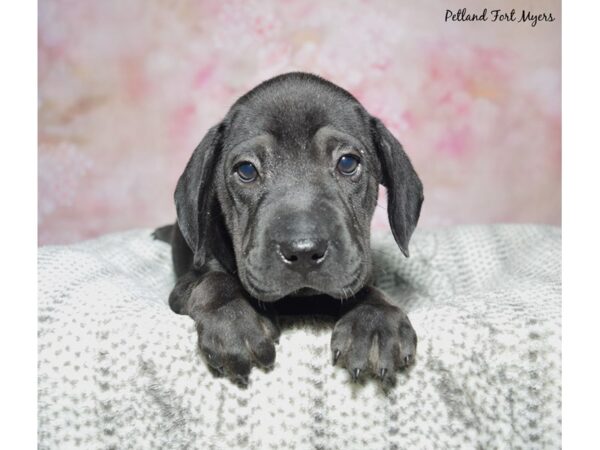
(233, 338)
(375, 338)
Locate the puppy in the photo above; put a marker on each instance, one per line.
(275, 206)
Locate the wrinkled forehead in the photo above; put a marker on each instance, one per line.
(296, 119)
(324, 144)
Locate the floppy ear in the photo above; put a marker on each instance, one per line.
(194, 195)
(405, 190)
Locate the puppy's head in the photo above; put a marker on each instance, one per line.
(282, 191)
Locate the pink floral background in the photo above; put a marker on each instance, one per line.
(128, 88)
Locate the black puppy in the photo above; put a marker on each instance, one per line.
(276, 202)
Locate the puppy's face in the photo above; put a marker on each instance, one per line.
(293, 172)
(298, 198)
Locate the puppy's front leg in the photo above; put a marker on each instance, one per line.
(373, 334)
(232, 335)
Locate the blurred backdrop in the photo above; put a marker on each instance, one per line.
(128, 88)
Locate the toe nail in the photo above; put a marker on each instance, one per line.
(243, 379)
(355, 374)
(336, 356)
(382, 373)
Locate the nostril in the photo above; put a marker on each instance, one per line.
(319, 252)
(287, 254)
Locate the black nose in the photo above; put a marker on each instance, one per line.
(303, 254)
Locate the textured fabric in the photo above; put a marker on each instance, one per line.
(118, 369)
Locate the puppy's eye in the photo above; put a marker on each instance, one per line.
(247, 172)
(348, 164)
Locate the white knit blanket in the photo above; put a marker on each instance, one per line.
(118, 369)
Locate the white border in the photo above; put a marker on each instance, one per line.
(581, 225)
(18, 202)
